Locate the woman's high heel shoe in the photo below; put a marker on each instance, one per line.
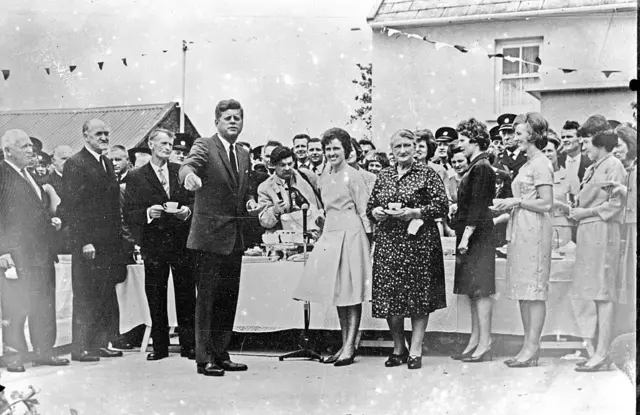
(397, 359)
(532, 361)
(509, 361)
(487, 355)
(414, 362)
(461, 356)
(345, 362)
(331, 359)
(604, 365)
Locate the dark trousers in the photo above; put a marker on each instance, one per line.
(33, 296)
(156, 270)
(218, 281)
(95, 304)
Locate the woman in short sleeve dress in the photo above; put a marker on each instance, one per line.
(530, 235)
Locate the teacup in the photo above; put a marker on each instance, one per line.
(171, 205)
(395, 206)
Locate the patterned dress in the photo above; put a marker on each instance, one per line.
(408, 270)
(529, 234)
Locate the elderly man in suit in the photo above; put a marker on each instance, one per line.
(26, 251)
(91, 206)
(217, 169)
(163, 240)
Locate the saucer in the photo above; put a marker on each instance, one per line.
(167, 210)
(392, 212)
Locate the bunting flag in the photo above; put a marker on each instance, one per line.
(165, 51)
(100, 65)
(72, 68)
(124, 60)
(144, 54)
(479, 50)
(5, 74)
(47, 71)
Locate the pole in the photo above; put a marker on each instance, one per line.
(184, 84)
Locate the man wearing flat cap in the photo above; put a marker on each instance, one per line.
(444, 137)
(512, 158)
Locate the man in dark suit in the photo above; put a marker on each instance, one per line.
(163, 240)
(26, 251)
(573, 159)
(218, 171)
(512, 158)
(91, 205)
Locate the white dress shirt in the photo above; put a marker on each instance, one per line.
(33, 182)
(572, 165)
(227, 145)
(165, 170)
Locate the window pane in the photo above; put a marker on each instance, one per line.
(509, 91)
(530, 54)
(514, 95)
(511, 68)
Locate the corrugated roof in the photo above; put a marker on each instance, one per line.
(129, 124)
(396, 10)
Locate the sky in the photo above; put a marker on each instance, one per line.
(289, 62)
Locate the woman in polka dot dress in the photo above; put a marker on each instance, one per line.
(408, 264)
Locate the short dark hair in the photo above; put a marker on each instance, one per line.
(301, 137)
(378, 156)
(553, 140)
(476, 131)
(356, 147)
(280, 153)
(314, 140)
(339, 134)
(228, 104)
(571, 125)
(273, 143)
(594, 125)
(365, 142)
(427, 136)
(452, 150)
(629, 136)
(538, 127)
(607, 139)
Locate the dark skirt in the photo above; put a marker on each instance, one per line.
(475, 274)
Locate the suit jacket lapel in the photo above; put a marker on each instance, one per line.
(243, 166)
(225, 158)
(173, 181)
(96, 164)
(152, 177)
(19, 178)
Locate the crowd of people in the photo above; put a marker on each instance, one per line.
(376, 220)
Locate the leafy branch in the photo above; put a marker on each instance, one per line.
(365, 83)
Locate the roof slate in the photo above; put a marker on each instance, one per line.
(129, 124)
(393, 10)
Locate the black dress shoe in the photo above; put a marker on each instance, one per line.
(15, 367)
(414, 362)
(230, 366)
(397, 359)
(158, 354)
(210, 369)
(84, 356)
(461, 356)
(188, 352)
(50, 361)
(106, 352)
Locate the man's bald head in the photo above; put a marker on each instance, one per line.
(17, 147)
(96, 134)
(60, 154)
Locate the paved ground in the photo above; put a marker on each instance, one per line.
(131, 385)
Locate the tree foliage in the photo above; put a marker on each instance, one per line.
(365, 84)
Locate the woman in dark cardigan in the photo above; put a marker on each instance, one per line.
(475, 256)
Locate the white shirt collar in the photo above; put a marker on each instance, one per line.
(164, 168)
(57, 172)
(576, 158)
(93, 153)
(31, 179)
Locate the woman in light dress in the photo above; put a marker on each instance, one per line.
(596, 273)
(338, 270)
(563, 186)
(530, 234)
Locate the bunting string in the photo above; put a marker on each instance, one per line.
(480, 50)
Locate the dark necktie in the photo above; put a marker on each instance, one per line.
(232, 159)
(104, 163)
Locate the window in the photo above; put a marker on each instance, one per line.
(514, 78)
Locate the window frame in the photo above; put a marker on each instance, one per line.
(520, 43)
